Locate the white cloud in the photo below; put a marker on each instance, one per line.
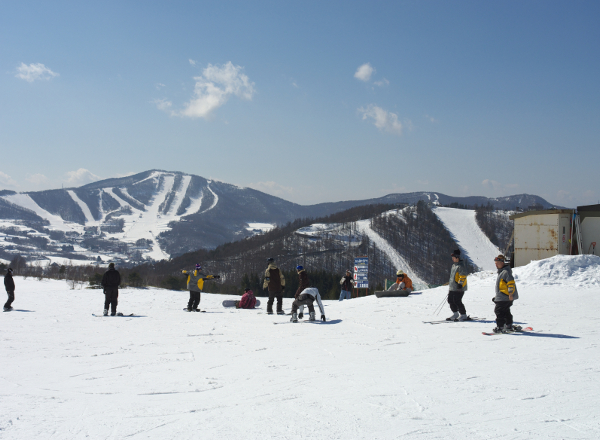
(6, 180)
(431, 119)
(192, 62)
(36, 179)
(80, 177)
(383, 82)
(212, 90)
(364, 72)
(383, 119)
(272, 188)
(159, 86)
(33, 72)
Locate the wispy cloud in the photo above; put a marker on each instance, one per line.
(192, 62)
(33, 72)
(213, 89)
(431, 119)
(7, 181)
(159, 86)
(36, 179)
(383, 120)
(80, 177)
(364, 72)
(383, 82)
(272, 188)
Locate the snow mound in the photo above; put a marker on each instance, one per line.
(568, 270)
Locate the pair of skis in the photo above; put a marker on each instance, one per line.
(524, 330)
(445, 321)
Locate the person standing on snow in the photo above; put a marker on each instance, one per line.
(195, 284)
(458, 287)
(248, 300)
(403, 283)
(274, 283)
(111, 280)
(506, 293)
(347, 283)
(9, 284)
(305, 296)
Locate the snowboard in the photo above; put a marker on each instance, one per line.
(109, 316)
(186, 310)
(231, 303)
(391, 294)
(525, 330)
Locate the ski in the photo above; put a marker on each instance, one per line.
(186, 310)
(110, 316)
(445, 321)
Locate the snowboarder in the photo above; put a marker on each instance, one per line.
(305, 296)
(274, 283)
(403, 282)
(9, 284)
(111, 280)
(347, 283)
(458, 287)
(248, 300)
(506, 293)
(195, 284)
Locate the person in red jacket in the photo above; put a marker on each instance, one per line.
(248, 300)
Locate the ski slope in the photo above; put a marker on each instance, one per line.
(373, 371)
(468, 235)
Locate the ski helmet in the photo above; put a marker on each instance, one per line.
(299, 268)
(400, 273)
(198, 267)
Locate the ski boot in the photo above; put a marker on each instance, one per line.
(8, 309)
(311, 316)
(280, 312)
(300, 315)
(294, 317)
(464, 318)
(196, 310)
(517, 328)
(498, 330)
(105, 312)
(453, 317)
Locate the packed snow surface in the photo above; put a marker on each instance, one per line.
(466, 232)
(374, 370)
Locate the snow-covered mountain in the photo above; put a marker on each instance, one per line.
(159, 214)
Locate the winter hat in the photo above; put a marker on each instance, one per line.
(248, 291)
(399, 273)
(456, 253)
(270, 260)
(198, 267)
(111, 266)
(9, 270)
(501, 258)
(299, 268)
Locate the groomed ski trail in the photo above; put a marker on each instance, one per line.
(364, 226)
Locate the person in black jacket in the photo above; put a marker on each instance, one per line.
(9, 284)
(111, 280)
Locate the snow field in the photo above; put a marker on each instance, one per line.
(373, 371)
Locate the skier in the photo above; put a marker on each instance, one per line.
(195, 283)
(458, 287)
(274, 283)
(305, 296)
(248, 300)
(403, 282)
(111, 280)
(506, 293)
(347, 283)
(9, 284)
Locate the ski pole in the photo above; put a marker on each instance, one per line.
(440, 307)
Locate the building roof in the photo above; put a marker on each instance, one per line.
(544, 212)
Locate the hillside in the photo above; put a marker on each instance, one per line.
(374, 370)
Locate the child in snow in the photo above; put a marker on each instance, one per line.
(9, 284)
(305, 296)
(506, 293)
(248, 300)
(403, 283)
(195, 284)
(458, 287)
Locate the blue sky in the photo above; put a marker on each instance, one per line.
(309, 101)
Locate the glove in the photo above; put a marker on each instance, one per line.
(323, 318)
(184, 271)
(459, 286)
(217, 276)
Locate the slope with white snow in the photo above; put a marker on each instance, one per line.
(473, 243)
(373, 371)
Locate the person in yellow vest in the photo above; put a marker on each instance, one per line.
(195, 284)
(506, 293)
(458, 287)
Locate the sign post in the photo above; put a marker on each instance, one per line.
(361, 274)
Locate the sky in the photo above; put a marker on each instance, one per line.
(309, 101)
